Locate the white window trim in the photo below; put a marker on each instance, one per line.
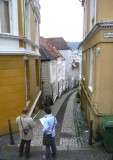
(27, 20)
(92, 13)
(85, 20)
(91, 70)
(36, 31)
(84, 73)
(10, 18)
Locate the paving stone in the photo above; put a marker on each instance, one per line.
(72, 135)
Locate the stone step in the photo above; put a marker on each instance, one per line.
(64, 153)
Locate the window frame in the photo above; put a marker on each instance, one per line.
(36, 30)
(84, 66)
(10, 17)
(27, 20)
(92, 13)
(85, 20)
(90, 86)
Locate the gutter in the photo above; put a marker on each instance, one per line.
(96, 28)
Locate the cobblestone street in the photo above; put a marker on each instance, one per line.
(67, 128)
(72, 134)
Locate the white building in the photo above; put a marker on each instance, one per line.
(67, 53)
(53, 70)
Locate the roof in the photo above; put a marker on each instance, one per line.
(45, 55)
(49, 48)
(59, 43)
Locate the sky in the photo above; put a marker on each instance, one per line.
(61, 18)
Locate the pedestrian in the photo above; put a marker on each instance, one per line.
(49, 125)
(25, 124)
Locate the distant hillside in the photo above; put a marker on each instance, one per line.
(74, 45)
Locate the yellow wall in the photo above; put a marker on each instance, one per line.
(33, 79)
(105, 12)
(33, 69)
(21, 17)
(101, 99)
(12, 90)
(106, 79)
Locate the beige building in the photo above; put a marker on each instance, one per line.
(97, 62)
(19, 60)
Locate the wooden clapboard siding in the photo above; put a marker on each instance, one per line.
(46, 77)
(17, 103)
(27, 79)
(11, 116)
(10, 97)
(8, 64)
(12, 89)
(5, 128)
(37, 63)
(11, 113)
(32, 77)
(11, 80)
(11, 58)
(11, 72)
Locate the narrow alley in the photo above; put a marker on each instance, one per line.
(72, 135)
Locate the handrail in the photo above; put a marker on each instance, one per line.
(34, 104)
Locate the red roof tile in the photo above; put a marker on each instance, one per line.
(59, 43)
(52, 50)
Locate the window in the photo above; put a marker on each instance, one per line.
(91, 70)
(36, 31)
(85, 20)
(27, 20)
(53, 68)
(4, 16)
(84, 65)
(92, 13)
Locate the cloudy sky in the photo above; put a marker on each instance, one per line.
(62, 18)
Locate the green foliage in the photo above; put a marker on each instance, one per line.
(78, 97)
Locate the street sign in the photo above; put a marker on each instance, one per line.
(108, 35)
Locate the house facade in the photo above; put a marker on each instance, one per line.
(97, 55)
(48, 73)
(53, 67)
(75, 73)
(19, 60)
(60, 44)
